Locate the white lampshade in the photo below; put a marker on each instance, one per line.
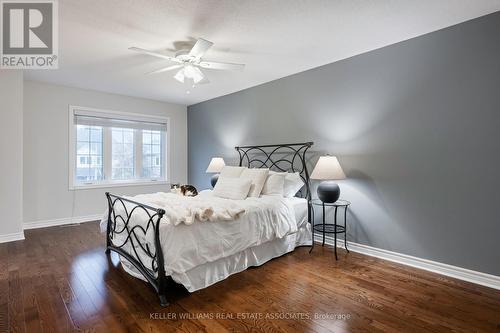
(216, 165)
(328, 168)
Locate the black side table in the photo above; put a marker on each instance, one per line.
(329, 228)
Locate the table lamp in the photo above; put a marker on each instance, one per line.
(328, 169)
(215, 166)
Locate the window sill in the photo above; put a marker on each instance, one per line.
(118, 184)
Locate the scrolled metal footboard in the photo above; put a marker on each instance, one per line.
(132, 245)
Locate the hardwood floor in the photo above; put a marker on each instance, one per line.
(60, 280)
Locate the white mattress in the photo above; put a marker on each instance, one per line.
(204, 253)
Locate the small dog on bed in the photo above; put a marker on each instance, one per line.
(189, 191)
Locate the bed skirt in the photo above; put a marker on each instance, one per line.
(209, 273)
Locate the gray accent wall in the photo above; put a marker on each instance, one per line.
(416, 127)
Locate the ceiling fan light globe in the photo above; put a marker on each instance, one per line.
(179, 76)
(193, 73)
(189, 70)
(198, 75)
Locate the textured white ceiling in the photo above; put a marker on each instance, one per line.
(274, 38)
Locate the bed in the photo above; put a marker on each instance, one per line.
(198, 254)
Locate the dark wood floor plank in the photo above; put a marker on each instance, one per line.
(31, 313)
(16, 313)
(4, 290)
(73, 307)
(71, 285)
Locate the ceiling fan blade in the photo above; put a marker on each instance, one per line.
(199, 49)
(154, 54)
(165, 69)
(221, 65)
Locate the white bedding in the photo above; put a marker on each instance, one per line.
(186, 248)
(300, 210)
(209, 273)
(184, 209)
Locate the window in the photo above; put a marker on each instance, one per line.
(151, 154)
(110, 148)
(122, 153)
(89, 153)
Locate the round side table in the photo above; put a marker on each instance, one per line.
(331, 228)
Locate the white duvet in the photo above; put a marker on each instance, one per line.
(206, 228)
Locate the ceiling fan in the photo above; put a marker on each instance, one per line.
(189, 62)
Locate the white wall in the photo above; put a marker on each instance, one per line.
(46, 193)
(11, 150)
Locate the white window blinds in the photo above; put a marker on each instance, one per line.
(104, 119)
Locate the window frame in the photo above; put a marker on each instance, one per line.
(106, 154)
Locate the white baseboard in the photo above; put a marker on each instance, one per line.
(12, 237)
(63, 221)
(460, 273)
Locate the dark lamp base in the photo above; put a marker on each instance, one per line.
(328, 191)
(214, 179)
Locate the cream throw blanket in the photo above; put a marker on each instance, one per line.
(180, 209)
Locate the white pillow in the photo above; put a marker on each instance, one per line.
(232, 188)
(275, 184)
(258, 178)
(231, 171)
(293, 183)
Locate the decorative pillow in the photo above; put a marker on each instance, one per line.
(231, 171)
(232, 188)
(275, 184)
(258, 178)
(293, 183)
